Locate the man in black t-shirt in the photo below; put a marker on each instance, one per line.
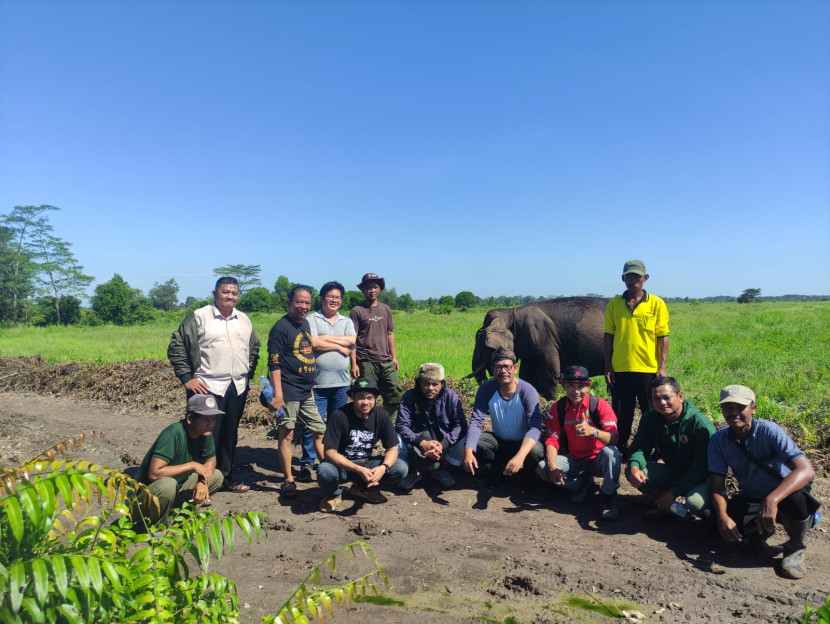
(351, 435)
(293, 371)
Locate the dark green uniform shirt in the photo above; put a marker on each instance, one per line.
(176, 447)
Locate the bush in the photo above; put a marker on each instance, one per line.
(257, 299)
(115, 302)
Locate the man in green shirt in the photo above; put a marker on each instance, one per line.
(181, 464)
(679, 433)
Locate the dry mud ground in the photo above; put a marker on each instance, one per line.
(465, 555)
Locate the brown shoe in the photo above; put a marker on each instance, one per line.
(373, 495)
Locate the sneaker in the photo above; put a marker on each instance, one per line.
(792, 566)
(655, 515)
(328, 504)
(610, 511)
(372, 495)
(305, 475)
(411, 479)
(443, 477)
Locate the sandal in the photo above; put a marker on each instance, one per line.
(288, 489)
(236, 488)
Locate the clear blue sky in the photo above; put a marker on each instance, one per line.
(499, 147)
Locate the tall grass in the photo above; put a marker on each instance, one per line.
(781, 350)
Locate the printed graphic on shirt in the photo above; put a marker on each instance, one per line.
(302, 348)
(374, 319)
(275, 359)
(361, 445)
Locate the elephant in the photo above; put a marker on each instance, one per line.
(546, 336)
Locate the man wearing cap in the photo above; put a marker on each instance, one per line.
(636, 346)
(215, 351)
(678, 433)
(351, 434)
(293, 371)
(581, 434)
(333, 340)
(181, 464)
(773, 475)
(375, 356)
(432, 428)
(513, 407)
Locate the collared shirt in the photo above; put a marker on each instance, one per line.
(579, 447)
(332, 366)
(635, 332)
(224, 349)
(768, 443)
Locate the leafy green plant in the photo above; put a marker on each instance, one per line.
(69, 551)
(312, 601)
(817, 616)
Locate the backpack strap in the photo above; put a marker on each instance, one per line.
(563, 437)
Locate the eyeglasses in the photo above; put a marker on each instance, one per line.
(333, 298)
(503, 367)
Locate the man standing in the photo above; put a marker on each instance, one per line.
(513, 406)
(678, 432)
(636, 346)
(773, 475)
(293, 370)
(351, 435)
(432, 428)
(333, 339)
(215, 351)
(578, 449)
(181, 464)
(375, 357)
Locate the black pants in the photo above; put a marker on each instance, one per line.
(744, 510)
(495, 452)
(628, 390)
(225, 431)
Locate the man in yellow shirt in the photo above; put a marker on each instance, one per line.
(636, 346)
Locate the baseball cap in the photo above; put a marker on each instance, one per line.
(737, 394)
(634, 266)
(364, 384)
(203, 404)
(575, 373)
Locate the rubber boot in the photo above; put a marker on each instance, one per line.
(610, 510)
(792, 565)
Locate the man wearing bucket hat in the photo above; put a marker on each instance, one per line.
(351, 434)
(636, 346)
(774, 478)
(181, 464)
(432, 428)
(374, 356)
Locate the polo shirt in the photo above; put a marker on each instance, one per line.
(767, 442)
(332, 366)
(635, 332)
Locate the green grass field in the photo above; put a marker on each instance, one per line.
(778, 349)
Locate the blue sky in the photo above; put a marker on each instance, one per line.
(503, 148)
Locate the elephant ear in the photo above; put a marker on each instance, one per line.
(537, 346)
(498, 335)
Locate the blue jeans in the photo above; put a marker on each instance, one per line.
(327, 400)
(578, 472)
(330, 478)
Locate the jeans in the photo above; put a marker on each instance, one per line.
(330, 478)
(327, 400)
(579, 472)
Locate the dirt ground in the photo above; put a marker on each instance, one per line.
(465, 555)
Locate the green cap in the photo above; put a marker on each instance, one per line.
(634, 266)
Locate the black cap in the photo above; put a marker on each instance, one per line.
(364, 384)
(575, 373)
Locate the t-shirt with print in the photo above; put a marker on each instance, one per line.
(290, 352)
(354, 437)
(372, 324)
(175, 447)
